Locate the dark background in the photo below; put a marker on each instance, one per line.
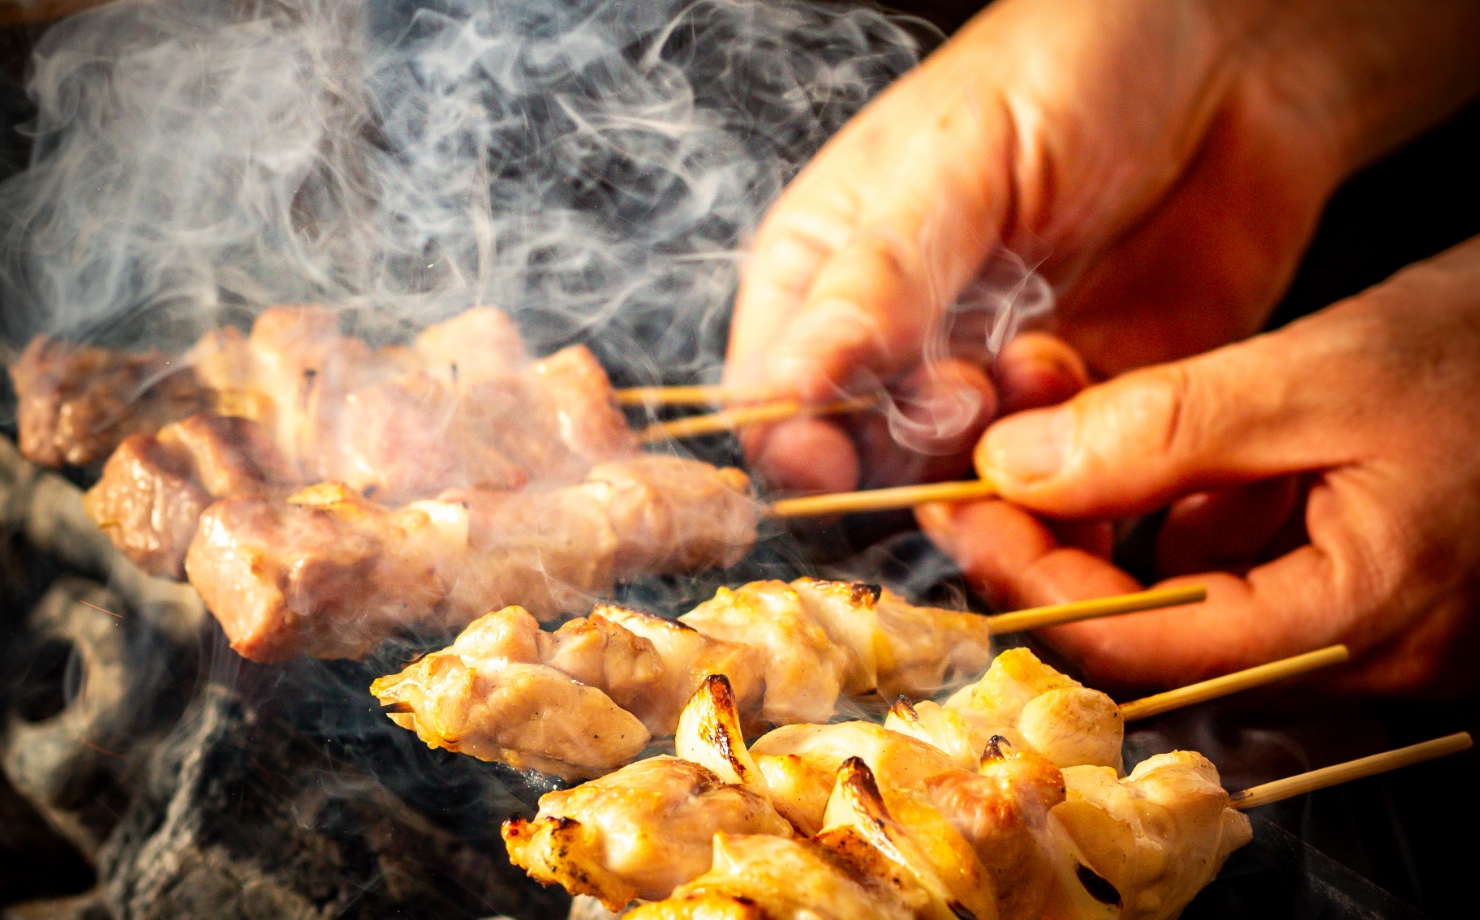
(1412, 833)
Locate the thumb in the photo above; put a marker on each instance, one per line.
(1242, 413)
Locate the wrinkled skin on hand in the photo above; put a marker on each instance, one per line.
(1322, 480)
(1171, 159)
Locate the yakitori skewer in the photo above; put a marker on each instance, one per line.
(791, 651)
(1074, 611)
(1361, 768)
(701, 395)
(731, 419)
(1024, 843)
(1233, 683)
(881, 499)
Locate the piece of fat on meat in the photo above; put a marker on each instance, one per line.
(549, 552)
(586, 416)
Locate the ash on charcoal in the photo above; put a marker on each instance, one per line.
(90, 685)
(243, 817)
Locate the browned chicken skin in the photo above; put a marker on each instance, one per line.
(783, 665)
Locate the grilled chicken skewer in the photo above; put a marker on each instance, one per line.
(792, 768)
(789, 650)
(980, 837)
(1138, 848)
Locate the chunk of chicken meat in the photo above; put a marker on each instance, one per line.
(490, 696)
(1002, 811)
(1028, 703)
(153, 488)
(778, 878)
(1140, 848)
(637, 833)
(799, 764)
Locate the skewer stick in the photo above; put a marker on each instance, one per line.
(730, 419)
(703, 395)
(1246, 679)
(1364, 767)
(1038, 617)
(881, 499)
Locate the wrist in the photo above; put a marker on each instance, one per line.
(1365, 75)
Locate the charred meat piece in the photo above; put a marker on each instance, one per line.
(154, 488)
(77, 403)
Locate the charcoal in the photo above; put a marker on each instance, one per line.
(35, 860)
(93, 687)
(242, 816)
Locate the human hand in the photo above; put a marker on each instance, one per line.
(1323, 482)
(1171, 158)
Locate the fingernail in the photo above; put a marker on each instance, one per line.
(1029, 447)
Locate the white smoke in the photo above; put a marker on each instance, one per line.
(587, 164)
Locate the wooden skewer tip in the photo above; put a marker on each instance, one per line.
(1247, 679)
(1361, 768)
(1074, 611)
(881, 499)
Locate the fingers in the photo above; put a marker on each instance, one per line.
(1283, 608)
(1036, 369)
(1135, 443)
(806, 455)
(1232, 528)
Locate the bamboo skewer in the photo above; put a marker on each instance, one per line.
(730, 419)
(701, 395)
(881, 499)
(1361, 768)
(1073, 612)
(1246, 679)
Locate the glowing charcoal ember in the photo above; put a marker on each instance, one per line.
(638, 832)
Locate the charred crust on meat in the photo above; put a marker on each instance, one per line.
(905, 710)
(1097, 886)
(396, 706)
(863, 593)
(369, 491)
(961, 911)
(994, 749)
